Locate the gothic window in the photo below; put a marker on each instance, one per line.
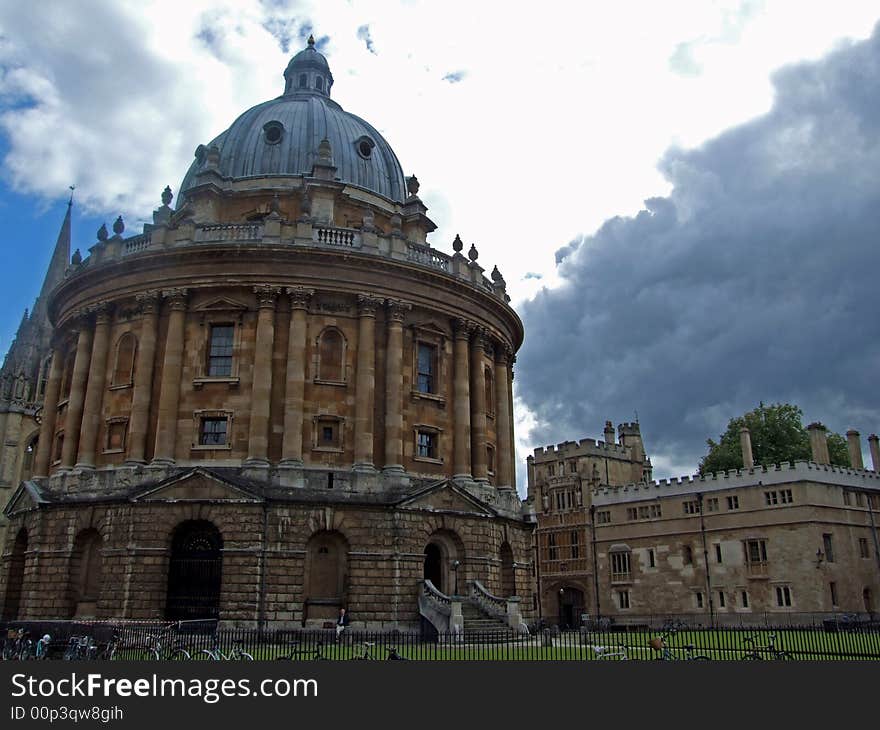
(123, 369)
(331, 356)
(621, 569)
(44, 377)
(220, 348)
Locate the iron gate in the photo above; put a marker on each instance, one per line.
(194, 572)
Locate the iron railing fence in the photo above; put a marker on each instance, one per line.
(638, 642)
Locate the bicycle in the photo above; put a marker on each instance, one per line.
(296, 654)
(617, 651)
(667, 653)
(368, 645)
(236, 653)
(757, 651)
(156, 650)
(80, 648)
(18, 645)
(108, 652)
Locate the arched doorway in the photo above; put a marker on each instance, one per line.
(508, 577)
(326, 575)
(84, 577)
(194, 572)
(444, 556)
(15, 580)
(571, 606)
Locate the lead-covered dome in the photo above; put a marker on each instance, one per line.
(281, 137)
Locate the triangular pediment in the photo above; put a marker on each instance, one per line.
(446, 496)
(197, 486)
(431, 328)
(25, 498)
(221, 304)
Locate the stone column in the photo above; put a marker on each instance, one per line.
(142, 393)
(745, 444)
(478, 407)
(43, 456)
(88, 440)
(461, 402)
(396, 313)
(169, 389)
(503, 414)
(365, 382)
(855, 449)
(73, 417)
(819, 443)
(294, 392)
(874, 446)
(258, 433)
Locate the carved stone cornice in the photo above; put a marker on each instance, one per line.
(266, 295)
(397, 309)
(101, 311)
(300, 296)
(504, 353)
(147, 301)
(368, 304)
(176, 298)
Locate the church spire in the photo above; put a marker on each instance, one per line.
(57, 266)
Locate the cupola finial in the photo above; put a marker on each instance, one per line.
(311, 41)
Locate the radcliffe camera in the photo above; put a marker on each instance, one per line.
(270, 395)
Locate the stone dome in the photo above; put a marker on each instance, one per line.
(281, 137)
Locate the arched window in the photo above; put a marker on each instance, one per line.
(303, 81)
(84, 577)
(123, 370)
(331, 356)
(44, 377)
(319, 83)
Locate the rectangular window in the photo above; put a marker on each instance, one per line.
(220, 350)
(771, 498)
(631, 513)
(691, 508)
(860, 499)
(783, 596)
(427, 445)
(699, 597)
(552, 550)
(756, 557)
(785, 496)
(718, 553)
(863, 547)
(847, 498)
(745, 599)
(656, 511)
(644, 513)
(733, 503)
(620, 566)
(623, 599)
(603, 517)
(212, 431)
(551, 470)
(721, 599)
(652, 561)
(490, 459)
(833, 587)
(427, 365)
(116, 435)
(712, 504)
(829, 548)
(575, 546)
(572, 467)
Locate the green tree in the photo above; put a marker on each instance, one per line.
(778, 434)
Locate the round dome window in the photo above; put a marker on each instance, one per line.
(364, 147)
(273, 132)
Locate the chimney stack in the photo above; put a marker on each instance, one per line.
(819, 443)
(874, 446)
(745, 443)
(855, 449)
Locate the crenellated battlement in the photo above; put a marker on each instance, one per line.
(759, 476)
(629, 429)
(584, 447)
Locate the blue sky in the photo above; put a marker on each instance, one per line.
(587, 152)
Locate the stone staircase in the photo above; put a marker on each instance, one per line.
(480, 627)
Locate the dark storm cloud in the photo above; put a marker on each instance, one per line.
(756, 279)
